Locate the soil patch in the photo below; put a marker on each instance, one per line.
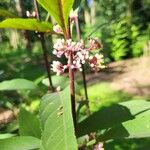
(131, 76)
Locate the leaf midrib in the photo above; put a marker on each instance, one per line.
(61, 14)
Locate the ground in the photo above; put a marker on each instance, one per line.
(132, 76)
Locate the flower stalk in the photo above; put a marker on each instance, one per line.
(72, 90)
(72, 87)
(83, 69)
(77, 54)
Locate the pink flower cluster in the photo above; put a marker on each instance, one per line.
(81, 54)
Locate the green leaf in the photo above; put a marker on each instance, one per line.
(6, 136)
(59, 9)
(56, 122)
(29, 124)
(138, 108)
(27, 24)
(7, 14)
(61, 81)
(109, 116)
(20, 143)
(17, 84)
(12, 127)
(136, 128)
(76, 4)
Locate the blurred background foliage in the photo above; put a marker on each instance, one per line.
(123, 28)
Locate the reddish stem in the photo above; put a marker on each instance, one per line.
(67, 35)
(72, 90)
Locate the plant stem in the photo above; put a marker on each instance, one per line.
(67, 35)
(72, 90)
(84, 82)
(44, 48)
(83, 70)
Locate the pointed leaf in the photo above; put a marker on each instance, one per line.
(59, 9)
(61, 81)
(27, 24)
(29, 124)
(56, 122)
(20, 143)
(6, 136)
(12, 127)
(17, 84)
(7, 14)
(136, 128)
(109, 116)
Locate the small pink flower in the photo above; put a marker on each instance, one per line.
(57, 29)
(95, 44)
(99, 146)
(57, 67)
(96, 62)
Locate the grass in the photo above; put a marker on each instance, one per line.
(101, 94)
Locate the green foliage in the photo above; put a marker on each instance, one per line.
(128, 144)
(12, 127)
(20, 143)
(136, 128)
(61, 81)
(127, 120)
(59, 9)
(76, 4)
(19, 68)
(119, 6)
(128, 14)
(111, 120)
(6, 136)
(17, 84)
(29, 124)
(56, 122)
(126, 39)
(103, 96)
(27, 24)
(118, 40)
(138, 40)
(7, 14)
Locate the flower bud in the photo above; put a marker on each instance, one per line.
(57, 29)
